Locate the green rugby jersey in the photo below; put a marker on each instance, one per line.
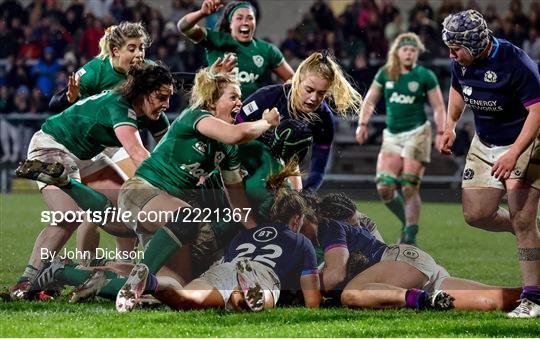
(254, 58)
(259, 163)
(184, 155)
(87, 127)
(405, 98)
(98, 75)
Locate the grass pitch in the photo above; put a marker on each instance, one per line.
(464, 251)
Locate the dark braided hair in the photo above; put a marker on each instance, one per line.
(313, 201)
(337, 206)
(143, 79)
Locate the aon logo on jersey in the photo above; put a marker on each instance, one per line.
(401, 98)
(245, 76)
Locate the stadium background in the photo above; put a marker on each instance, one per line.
(44, 40)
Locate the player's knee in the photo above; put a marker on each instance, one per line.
(386, 192)
(523, 224)
(477, 217)
(409, 190)
(185, 231)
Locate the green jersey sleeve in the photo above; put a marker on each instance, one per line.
(275, 55)
(380, 77)
(430, 80)
(231, 161)
(122, 114)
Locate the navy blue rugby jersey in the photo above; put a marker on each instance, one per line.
(276, 96)
(289, 254)
(335, 234)
(498, 89)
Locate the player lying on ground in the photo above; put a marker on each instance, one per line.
(375, 275)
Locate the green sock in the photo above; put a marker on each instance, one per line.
(111, 289)
(73, 276)
(86, 197)
(159, 249)
(397, 206)
(409, 233)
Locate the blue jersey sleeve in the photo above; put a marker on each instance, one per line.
(323, 137)
(526, 79)
(331, 235)
(454, 77)
(255, 104)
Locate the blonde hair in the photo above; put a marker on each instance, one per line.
(209, 87)
(117, 35)
(275, 182)
(393, 66)
(343, 94)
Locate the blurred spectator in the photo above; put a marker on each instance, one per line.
(170, 59)
(38, 104)
(77, 7)
(492, 17)
(120, 11)
(7, 41)
(291, 43)
(14, 134)
(362, 73)
(375, 41)
(30, 47)
(89, 43)
(179, 8)
(507, 31)
(323, 15)
(4, 99)
(388, 12)
(57, 37)
(421, 6)
(395, 28)
(534, 14)
(448, 7)
(11, 9)
(98, 8)
(45, 71)
(531, 46)
(73, 23)
(428, 32)
(18, 74)
(368, 9)
(8, 132)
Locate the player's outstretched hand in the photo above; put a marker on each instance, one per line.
(271, 116)
(225, 65)
(209, 7)
(74, 82)
(446, 141)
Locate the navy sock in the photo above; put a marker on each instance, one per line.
(532, 293)
(151, 284)
(415, 298)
